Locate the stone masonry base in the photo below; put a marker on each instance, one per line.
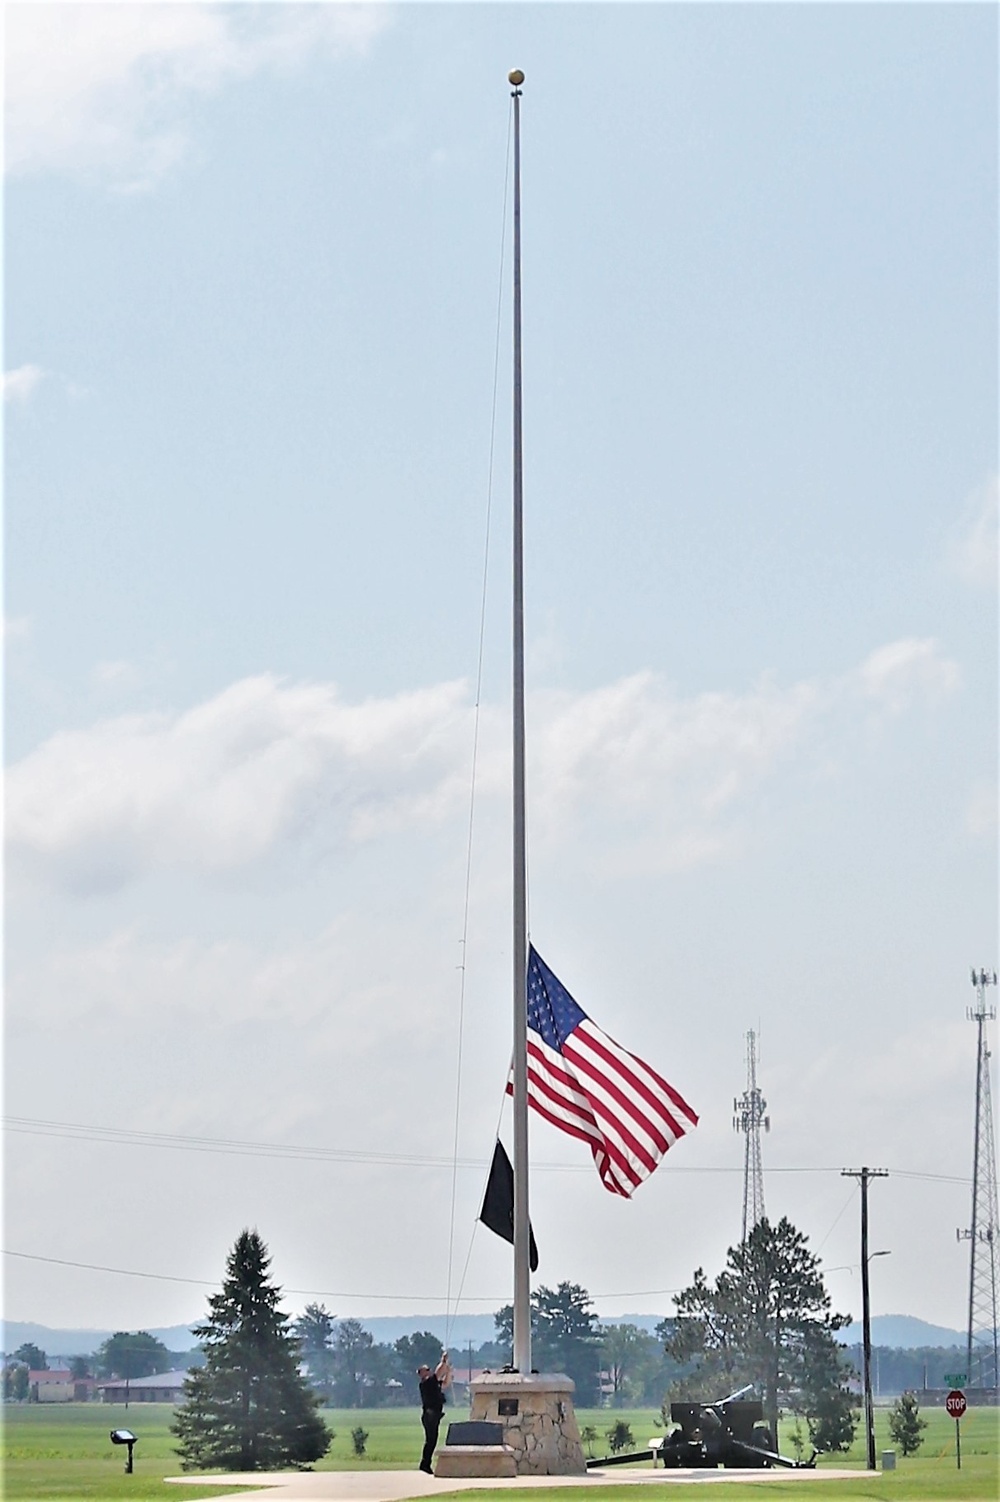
(539, 1423)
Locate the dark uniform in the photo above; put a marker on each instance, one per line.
(432, 1407)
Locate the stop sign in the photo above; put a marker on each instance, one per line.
(955, 1403)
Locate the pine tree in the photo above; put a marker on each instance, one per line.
(905, 1424)
(248, 1408)
(767, 1320)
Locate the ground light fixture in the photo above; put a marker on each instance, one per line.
(125, 1437)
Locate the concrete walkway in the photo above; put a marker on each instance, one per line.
(394, 1486)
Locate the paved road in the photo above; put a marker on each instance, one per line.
(394, 1486)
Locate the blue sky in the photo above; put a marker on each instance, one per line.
(252, 258)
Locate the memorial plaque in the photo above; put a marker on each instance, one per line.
(475, 1432)
(507, 1408)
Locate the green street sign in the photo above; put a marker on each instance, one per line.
(955, 1379)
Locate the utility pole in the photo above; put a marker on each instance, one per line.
(982, 1367)
(748, 1118)
(864, 1175)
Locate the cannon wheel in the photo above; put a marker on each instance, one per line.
(762, 1438)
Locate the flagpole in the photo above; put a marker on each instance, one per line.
(522, 1269)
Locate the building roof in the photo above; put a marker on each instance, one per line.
(159, 1379)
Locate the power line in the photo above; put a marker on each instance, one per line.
(326, 1293)
(234, 1147)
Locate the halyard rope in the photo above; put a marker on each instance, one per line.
(475, 757)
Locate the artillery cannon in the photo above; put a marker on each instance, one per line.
(729, 1433)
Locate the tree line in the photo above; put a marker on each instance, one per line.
(765, 1320)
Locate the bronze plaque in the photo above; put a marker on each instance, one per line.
(507, 1408)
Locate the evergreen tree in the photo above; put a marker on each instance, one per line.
(567, 1339)
(248, 1408)
(824, 1396)
(767, 1320)
(565, 1336)
(905, 1424)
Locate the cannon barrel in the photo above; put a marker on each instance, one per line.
(733, 1397)
(774, 1457)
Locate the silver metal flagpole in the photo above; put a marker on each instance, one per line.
(522, 1270)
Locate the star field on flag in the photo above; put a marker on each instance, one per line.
(585, 1084)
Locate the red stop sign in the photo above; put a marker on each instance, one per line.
(955, 1403)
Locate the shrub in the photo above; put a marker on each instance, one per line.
(620, 1437)
(905, 1424)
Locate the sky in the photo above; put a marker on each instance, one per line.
(257, 295)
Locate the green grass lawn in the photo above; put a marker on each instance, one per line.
(63, 1453)
(58, 1452)
(931, 1473)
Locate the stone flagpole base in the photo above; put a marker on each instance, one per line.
(540, 1432)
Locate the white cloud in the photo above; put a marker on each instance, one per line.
(308, 980)
(974, 553)
(218, 786)
(20, 384)
(100, 91)
(265, 763)
(16, 627)
(911, 668)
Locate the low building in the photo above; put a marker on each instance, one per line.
(164, 1387)
(50, 1387)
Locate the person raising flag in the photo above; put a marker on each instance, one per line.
(432, 1386)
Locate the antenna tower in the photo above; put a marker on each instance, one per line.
(981, 1350)
(748, 1118)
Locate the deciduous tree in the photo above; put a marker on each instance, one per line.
(630, 1356)
(419, 1349)
(353, 1347)
(248, 1408)
(15, 1383)
(314, 1329)
(132, 1353)
(32, 1356)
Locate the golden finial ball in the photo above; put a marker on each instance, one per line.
(516, 77)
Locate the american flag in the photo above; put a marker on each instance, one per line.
(586, 1085)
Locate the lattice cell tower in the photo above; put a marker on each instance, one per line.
(749, 1118)
(981, 1353)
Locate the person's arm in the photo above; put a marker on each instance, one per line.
(443, 1370)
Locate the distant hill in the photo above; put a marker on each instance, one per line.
(902, 1331)
(82, 1342)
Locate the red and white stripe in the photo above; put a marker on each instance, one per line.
(627, 1114)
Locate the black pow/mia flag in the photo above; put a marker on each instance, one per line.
(498, 1204)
